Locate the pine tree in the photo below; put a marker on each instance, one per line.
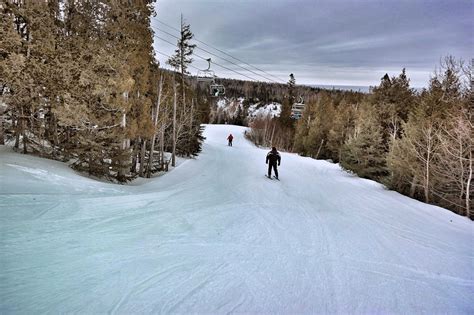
(394, 99)
(285, 116)
(133, 23)
(341, 126)
(188, 129)
(320, 119)
(302, 130)
(12, 63)
(28, 39)
(181, 60)
(363, 152)
(291, 88)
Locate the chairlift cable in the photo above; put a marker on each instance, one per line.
(283, 81)
(203, 58)
(223, 52)
(229, 61)
(219, 87)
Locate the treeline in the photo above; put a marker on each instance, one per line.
(417, 143)
(251, 91)
(81, 84)
(264, 91)
(281, 131)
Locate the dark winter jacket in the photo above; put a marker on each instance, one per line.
(273, 156)
(230, 137)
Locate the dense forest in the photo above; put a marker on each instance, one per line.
(81, 84)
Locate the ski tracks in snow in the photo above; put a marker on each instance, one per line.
(214, 236)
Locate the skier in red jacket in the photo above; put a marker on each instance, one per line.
(230, 138)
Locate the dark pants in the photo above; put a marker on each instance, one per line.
(275, 170)
(230, 143)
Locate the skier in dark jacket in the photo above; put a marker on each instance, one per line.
(273, 157)
(230, 138)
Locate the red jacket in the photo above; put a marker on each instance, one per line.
(230, 137)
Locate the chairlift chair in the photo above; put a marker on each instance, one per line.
(217, 90)
(206, 75)
(297, 109)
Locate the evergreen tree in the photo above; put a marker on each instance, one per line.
(285, 116)
(291, 88)
(187, 118)
(363, 152)
(342, 124)
(302, 129)
(393, 99)
(181, 60)
(77, 76)
(321, 118)
(132, 23)
(27, 58)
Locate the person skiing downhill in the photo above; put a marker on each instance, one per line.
(273, 157)
(230, 138)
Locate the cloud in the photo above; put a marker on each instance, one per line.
(327, 42)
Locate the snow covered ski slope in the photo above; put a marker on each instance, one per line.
(214, 236)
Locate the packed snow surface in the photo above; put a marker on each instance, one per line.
(215, 236)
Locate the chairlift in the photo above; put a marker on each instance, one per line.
(297, 109)
(216, 90)
(206, 75)
(296, 116)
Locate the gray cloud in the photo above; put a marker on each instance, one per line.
(327, 42)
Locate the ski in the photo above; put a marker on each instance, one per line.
(276, 178)
(268, 177)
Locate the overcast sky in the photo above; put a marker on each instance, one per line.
(334, 42)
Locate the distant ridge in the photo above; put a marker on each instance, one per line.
(355, 88)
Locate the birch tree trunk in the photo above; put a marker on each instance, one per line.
(162, 146)
(155, 123)
(122, 170)
(468, 187)
(173, 154)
